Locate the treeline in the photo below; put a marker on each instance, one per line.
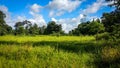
(27, 28)
(109, 23)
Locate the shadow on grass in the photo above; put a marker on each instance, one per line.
(9, 43)
(88, 47)
(77, 47)
(102, 63)
(72, 46)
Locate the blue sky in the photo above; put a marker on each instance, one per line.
(66, 12)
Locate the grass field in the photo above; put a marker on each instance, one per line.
(57, 52)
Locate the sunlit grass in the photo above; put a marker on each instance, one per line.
(21, 39)
(12, 56)
(57, 52)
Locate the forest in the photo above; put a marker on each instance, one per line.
(92, 44)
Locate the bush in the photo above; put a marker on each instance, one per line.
(103, 36)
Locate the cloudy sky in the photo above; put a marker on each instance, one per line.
(69, 13)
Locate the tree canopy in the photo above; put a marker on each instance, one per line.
(4, 28)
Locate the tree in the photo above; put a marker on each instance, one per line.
(34, 30)
(22, 28)
(42, 30)
(18, 27)
(88, 28)
(111, 20)
(52, 27)
(27, 25)
(4, 28)
(95, 27)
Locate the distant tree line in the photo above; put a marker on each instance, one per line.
(110, 23)
(27, 28)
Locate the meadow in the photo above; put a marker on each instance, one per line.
(58, 52)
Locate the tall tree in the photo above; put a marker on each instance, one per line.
(95, 27)
(88, 28)
(34, 30)
(42, 30)
(22, 27)
(111, 20)
(4, 28)
(52, 27)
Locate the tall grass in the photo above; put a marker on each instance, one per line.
(21, 39)
(12, 56)
(57, 52)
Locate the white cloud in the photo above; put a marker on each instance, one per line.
(61, 6)
(35, 8)
(37, 18)
(54, 13)
(69, 23)
(4, 9)
(95, 7)
(8, 18)
(51, 13)
(53, 19)
(21, 18)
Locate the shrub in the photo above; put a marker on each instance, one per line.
(103, 36)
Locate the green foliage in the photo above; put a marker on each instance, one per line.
(42, 30)
(4, 28)
(111, 19)
(103, 36)
(95, 27)
(53, 27)
(88, 28)
(116, 31)
(44, 51)
(20, 31)
(34, 30)
(53, 52)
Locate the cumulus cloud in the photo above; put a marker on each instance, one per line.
(35, 8)
(69, 23)
(21, 18)
(8, 18)
(53, 19)
(36, 17)
(62, 6)
(4, 9)
(95, 7)
(34, 11)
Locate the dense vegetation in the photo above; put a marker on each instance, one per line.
(55, 52)
(93, 44)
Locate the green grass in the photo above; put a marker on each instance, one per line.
(57, 52)
(22, 39)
